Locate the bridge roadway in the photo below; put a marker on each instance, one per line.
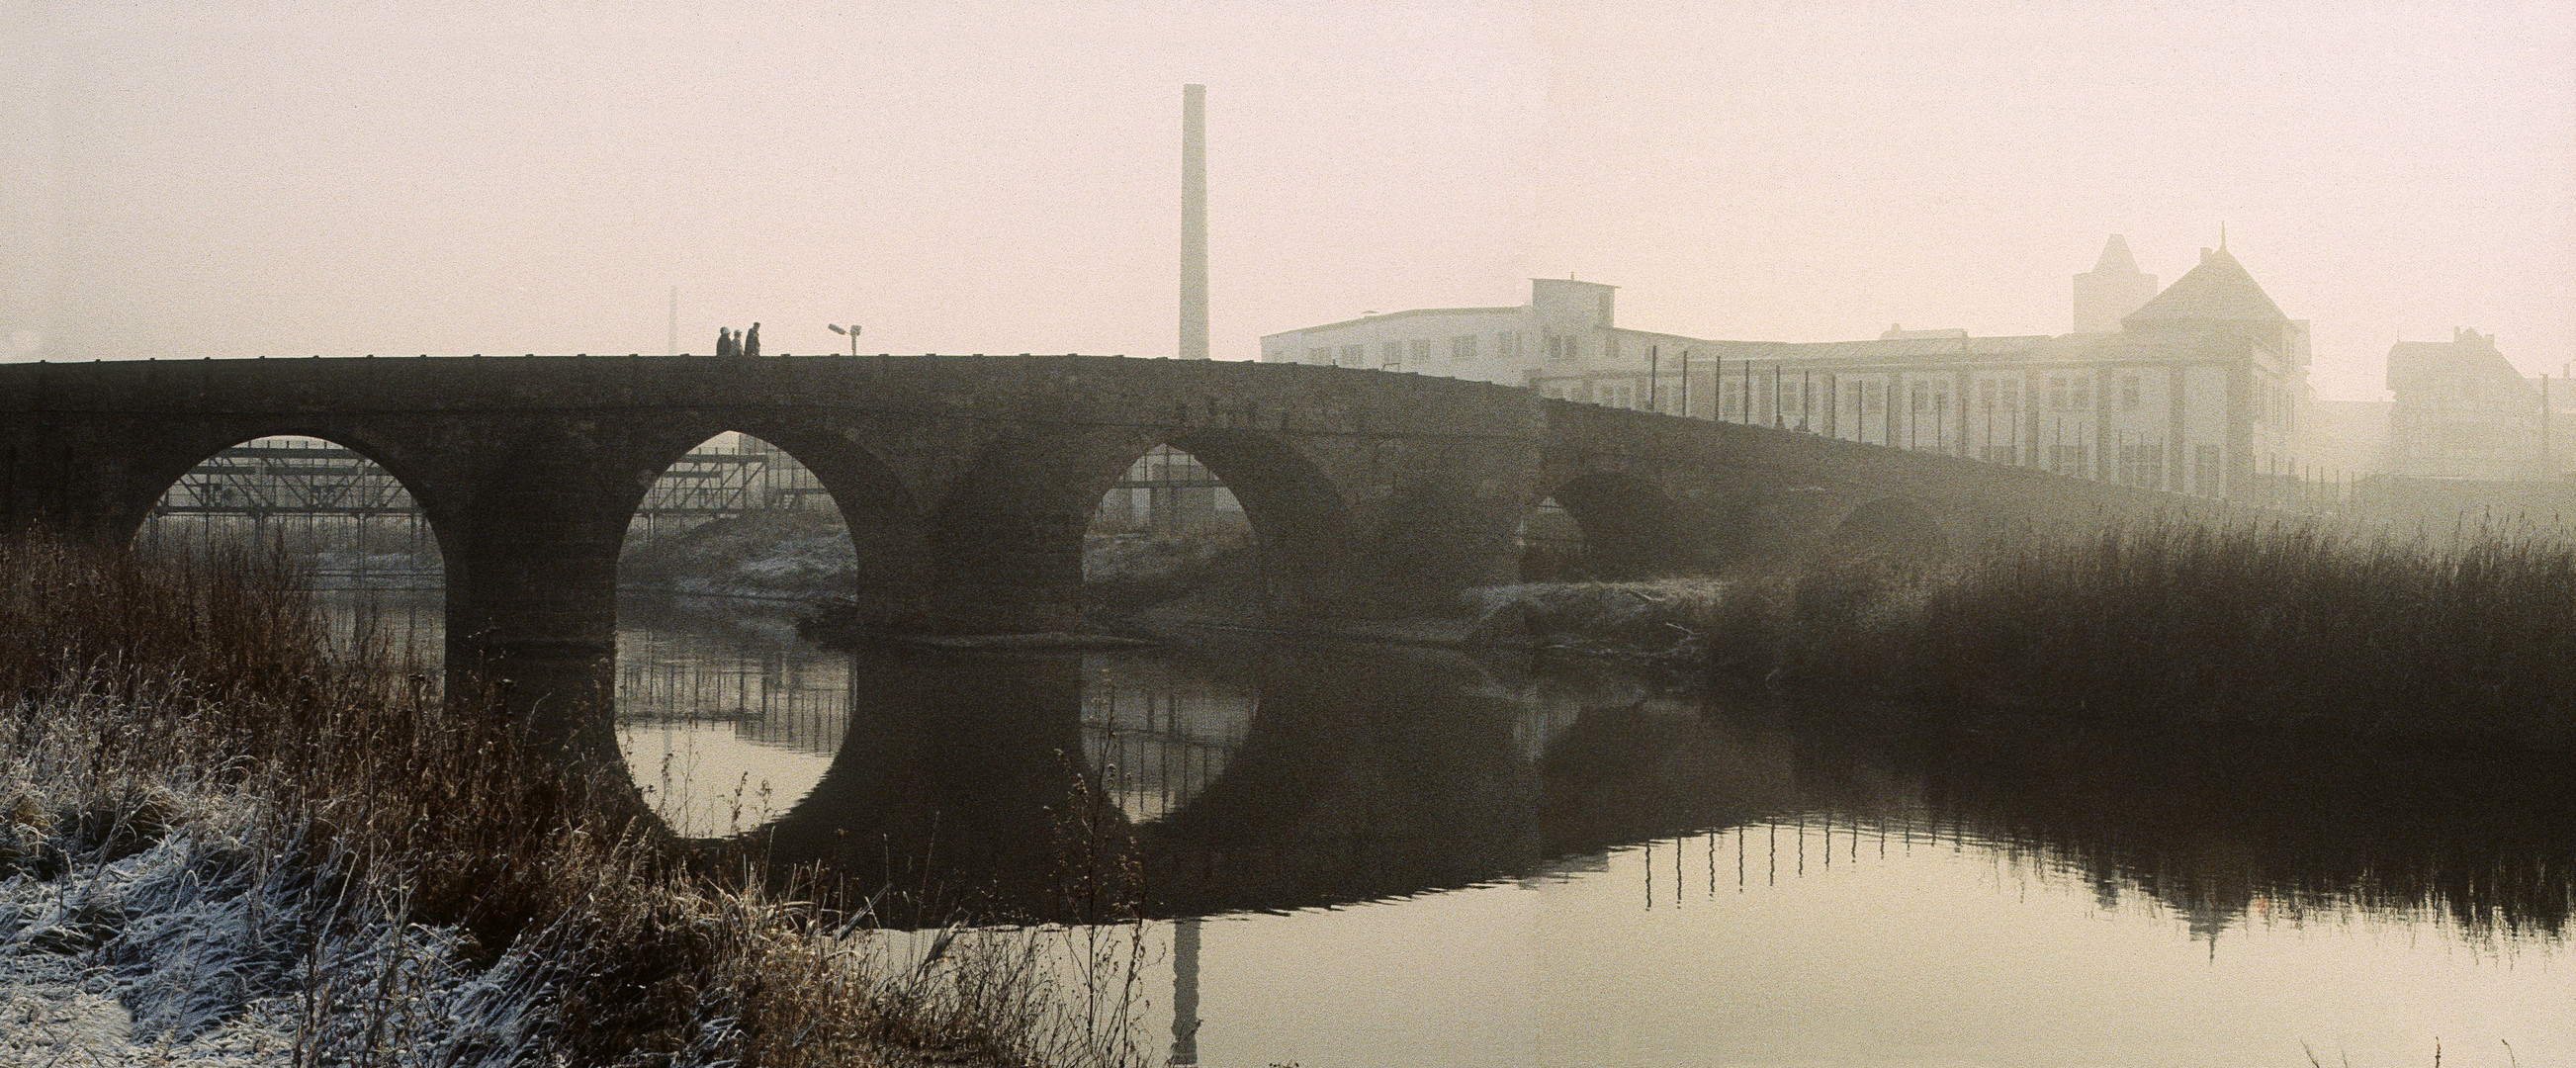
(970, 479)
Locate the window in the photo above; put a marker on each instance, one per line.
(1462, 347)
(1391, 355)
(2141, 465)
(2012, 396)
(1562, 348)
(2067, 459)
(1873, 399)
(1320, 356)
(1507, 344)
(2069, 393)
(1620, 395)
(1922, 399)
(1354, 355)
(2128, 393)
(1422, 350)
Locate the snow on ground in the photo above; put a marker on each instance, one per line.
(194, 950)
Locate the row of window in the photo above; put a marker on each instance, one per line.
(2066, 393)
(1395, 355)
(1420, 352)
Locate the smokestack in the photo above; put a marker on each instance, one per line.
(1194, 280)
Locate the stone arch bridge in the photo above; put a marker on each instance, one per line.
(1370, 493)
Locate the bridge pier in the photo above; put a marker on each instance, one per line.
(532, 588)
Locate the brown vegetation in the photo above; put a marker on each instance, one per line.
(323, 830)
(2266, 626)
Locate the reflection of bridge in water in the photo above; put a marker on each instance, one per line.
(1285, 778)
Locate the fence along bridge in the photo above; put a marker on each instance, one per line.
(973, 478)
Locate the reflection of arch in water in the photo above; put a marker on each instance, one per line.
(1365, 773)
(960, 787)
(1158, 729)
(1630, 529)
(725, 720)
(732, 513)
(964, 763)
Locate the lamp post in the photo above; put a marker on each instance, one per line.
(852, 333)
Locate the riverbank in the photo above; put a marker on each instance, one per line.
(2269, 627)
(224, 837)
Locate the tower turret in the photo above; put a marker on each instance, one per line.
(2114, 288)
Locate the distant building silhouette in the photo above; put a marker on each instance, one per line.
(2114, 288)
(2197, 389)
(2461, 411)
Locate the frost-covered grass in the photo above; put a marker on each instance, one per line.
(224, 838)
(2268, 626)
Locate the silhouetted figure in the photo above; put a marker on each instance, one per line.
(751, 341)
(724, 341)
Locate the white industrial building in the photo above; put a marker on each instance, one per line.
(2197, 388)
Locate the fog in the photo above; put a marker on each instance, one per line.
(258, 179)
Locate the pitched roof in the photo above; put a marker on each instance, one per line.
(2116, 259)
(2218, 289)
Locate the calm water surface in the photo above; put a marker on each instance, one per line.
(1365, 856)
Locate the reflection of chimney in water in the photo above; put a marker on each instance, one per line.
(1185, 992)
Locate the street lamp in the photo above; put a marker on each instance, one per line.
(852, 333)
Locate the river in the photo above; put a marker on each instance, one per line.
(1353, 855)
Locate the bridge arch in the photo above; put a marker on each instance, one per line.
(871, 502)
(1007, 539)
(171, 456)
(1631, 528)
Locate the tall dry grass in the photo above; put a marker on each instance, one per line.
(240, 819)
(2276, 626)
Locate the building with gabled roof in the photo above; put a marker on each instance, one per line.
(2197, 389)
(2461, 411)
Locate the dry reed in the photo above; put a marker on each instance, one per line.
(204, 793)
(2278, 626)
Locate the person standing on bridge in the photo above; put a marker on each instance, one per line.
(724, 341)
(751, 341)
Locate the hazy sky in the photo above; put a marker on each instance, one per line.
(237, 179)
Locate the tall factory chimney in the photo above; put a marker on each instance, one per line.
(1194, 280)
